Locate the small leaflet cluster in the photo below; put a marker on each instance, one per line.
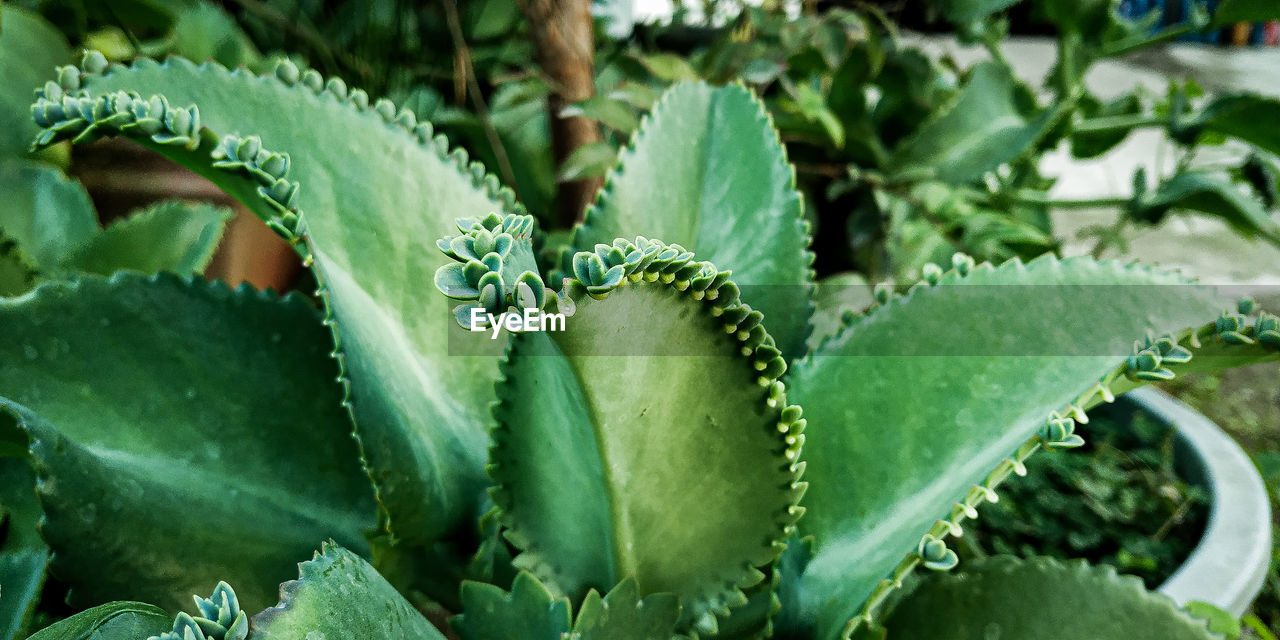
(65, 111)
(220, 619)
(488, 272)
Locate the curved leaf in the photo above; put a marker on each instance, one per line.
(1211, 194)
(30, 48)
(921, 399)
(419, 411)
(182, 433)
(23, 555)
(47, 214)
(981, 129)
(168, 236)
(1039, 598)
(706, 170)
(111, 621)
(339, 595)
(682, 475)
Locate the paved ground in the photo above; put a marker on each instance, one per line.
(1197, 245)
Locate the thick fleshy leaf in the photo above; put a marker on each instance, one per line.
(169, 236)
(706, 171)
(30, 48)
(182, 433)
(1041, 598)
(339, 595)
(682, 474)
(926, 396)
(47, 214)
(530, 611)
(111, 621)
(981, 129)
(368, 221)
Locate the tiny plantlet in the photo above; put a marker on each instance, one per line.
(657, 453)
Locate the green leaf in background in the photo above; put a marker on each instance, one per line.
(591, 160)
(960, 12)
(668, 67)
(906, 413)
(133, 430)
(30, 48)
(46, 213)
(1209, 193)
(981, 129)
(1233, 11)
(1041, 598)
(836, 298)
(1219, 621)
(1085, 144)
(615, 114)
(169, 236)
(339, 595)
(204, 31)
(706, 171)
(17, 274)
(111, 621)
(1248, 117)
(420, 410)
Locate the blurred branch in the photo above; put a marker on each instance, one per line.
(562, 37)
(464, 64)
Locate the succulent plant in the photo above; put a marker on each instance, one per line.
(672, 461)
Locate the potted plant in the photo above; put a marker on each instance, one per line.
(655, 450)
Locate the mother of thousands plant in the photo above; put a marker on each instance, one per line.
(642, 473)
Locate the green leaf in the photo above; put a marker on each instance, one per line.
(23, 555)
(1219, 621)
(706, 171)
(112, 621)
(1241, 115)
(591, 160)
(30, 48)
(1233, 11)
(1040, 598)
(682, 477)
(339, 595)
(182, 433)
(1209, 193)
(204, 31)
(372, 187)
(981, 129)
(46, 213)
(960, 12)
(17, 274)
(168, 236)
(668, 67)
(529, 611)
(1093, 144)
(926, 395)
(612, 113)
(835, 297)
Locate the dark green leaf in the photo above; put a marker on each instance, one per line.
(1039, 598)
(183, 433)
(23, 555)
(339, 595)
(1208, 193)
(961, 12)
(706, 171)
(529, 611)
(112, 621)
(1092, 144)
(1233, 11)
(1245, 116)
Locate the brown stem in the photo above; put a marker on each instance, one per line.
(561, 32)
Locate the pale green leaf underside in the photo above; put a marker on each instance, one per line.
(339, 595)
(30, 48)
(979, 131)
(706, 171)
(924, 397)
(111, 621)
(168, 236)
(1041, 598)
(375, 199)
(46, 213)
(638, 443)
(183, 433)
